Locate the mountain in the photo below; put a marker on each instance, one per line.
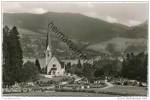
(75, 26)
(121, 45)
(91, 33)
(138, 31)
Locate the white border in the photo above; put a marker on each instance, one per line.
(74, 98)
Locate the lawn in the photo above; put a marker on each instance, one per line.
(113, 91)
(125, 90)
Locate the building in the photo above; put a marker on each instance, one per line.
(54, 66)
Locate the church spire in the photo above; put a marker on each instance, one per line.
(47, 40)
(48, 49)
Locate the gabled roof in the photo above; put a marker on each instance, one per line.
(43, 61)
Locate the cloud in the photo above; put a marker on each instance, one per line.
(133, 22)
(92, 14)
(111, 19)
(11, 7)
(39, 10)
(123, 13)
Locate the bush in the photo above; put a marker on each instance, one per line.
(29, 72)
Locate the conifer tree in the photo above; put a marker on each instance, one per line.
(6, 64)
(135, 67)
(38, 65)
(15, 53)
(79, 64)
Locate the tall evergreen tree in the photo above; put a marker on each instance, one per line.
(37, 64)
(135, 67)
(6, 64)
(79, 64)
(88, 71)
(16, 56)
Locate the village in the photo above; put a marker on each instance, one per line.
(73, 83)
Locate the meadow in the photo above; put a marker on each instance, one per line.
(113, 91)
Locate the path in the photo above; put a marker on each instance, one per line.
(109, 85)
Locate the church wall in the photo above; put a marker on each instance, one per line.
(54, 61)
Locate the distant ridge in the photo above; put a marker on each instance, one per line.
(92, 33)
(76, 26)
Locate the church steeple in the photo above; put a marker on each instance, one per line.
(47, 40)
(48, 49)
(53, 66)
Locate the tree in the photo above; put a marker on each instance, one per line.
(38, 65)
(88, 71)
(99, 72)
(117, 66)
(141, 69)
(67, 67)
(107, 67)
(129, 66)
(75, 70)
(29, 72)
(5, 45)
(6, 63)
(135, 67)
(79, 64)
(15, 55)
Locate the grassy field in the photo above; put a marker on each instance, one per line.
(113, 91)
(125, 90)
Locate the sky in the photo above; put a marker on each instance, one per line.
(129, 14)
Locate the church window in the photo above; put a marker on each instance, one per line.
(54, 65)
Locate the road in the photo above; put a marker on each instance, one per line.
(109, 85)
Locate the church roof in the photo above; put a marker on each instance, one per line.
(43, 61)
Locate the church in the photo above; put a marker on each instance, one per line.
(54, 66)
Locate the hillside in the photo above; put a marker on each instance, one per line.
(138, 31)
(91, 33)
(75, 26)
(121, 45)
